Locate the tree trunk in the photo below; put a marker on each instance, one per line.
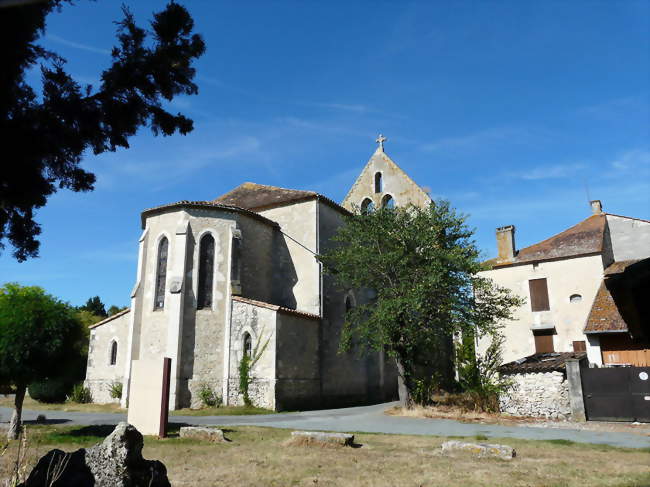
(405, 399)
(15, 425)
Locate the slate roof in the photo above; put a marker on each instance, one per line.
(585, 238)
(621, 303)
(258, 197)
(541, 362)
(275, 307)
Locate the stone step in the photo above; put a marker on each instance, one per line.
(343, 439)
(214, 435)
(481, 450)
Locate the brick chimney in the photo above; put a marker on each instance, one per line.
(596, 207)
(506, 243)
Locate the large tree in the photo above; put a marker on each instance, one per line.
(95, 306)
(421, 265)
(46, 131)
(37, 335)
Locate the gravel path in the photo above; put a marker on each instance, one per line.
(366, 419)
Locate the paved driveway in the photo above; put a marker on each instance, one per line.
(366, 419)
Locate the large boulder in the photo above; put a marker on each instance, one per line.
(115, 462)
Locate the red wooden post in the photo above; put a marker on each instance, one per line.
(164, 400)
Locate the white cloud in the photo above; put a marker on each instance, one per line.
(478, 140)
(77, 45)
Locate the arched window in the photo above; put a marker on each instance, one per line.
(113, 352)
(575, 298)
(161, 273)
(388, 202)
(348, 304)
(248, 345)
(206, 271)
(378, 183)
(367, 206)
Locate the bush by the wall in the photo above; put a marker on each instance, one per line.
(80, 394)
(115, 390)
(50, 390)
(208, 397)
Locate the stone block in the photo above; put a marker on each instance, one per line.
(342, 439)
(202, 433)
(481, 450)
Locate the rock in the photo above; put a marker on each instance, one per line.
(115, 462)
(342, 439)
(481, 450)
(202, 433)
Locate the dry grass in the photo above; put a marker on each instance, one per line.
(458, 414)
(261, 457)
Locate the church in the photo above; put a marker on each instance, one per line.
(239, 275)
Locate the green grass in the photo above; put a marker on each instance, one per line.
(222, 411)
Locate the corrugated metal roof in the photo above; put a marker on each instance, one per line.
(541, 362)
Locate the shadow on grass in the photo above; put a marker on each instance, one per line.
(45, 421)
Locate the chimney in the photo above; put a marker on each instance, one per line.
(506, 243)
(596, 207)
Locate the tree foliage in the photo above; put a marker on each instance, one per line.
(422, 265)
(38, 335)
(95, 306)
(46, 132)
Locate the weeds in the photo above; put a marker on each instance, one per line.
(19, 466)
(115, 390)
(80, 394)
(209, 397)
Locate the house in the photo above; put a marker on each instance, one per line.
(219, 279)
(578, 287)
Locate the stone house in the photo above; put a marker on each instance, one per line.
(219, 279)
(569, 311)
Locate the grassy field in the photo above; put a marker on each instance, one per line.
(115, 408)
(262, 457)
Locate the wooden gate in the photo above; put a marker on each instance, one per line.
(617, 393)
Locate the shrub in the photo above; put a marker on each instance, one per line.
(50, 390)
(115, 390)
(80, 394)
(209, 398)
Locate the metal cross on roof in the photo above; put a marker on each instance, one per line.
(380, 140)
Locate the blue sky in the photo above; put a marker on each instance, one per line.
(515, 111)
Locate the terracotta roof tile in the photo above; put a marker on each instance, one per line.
(604, 315)
(541, 362)
(258, 197)
(582, 239)
(110, 318)
(275, 307)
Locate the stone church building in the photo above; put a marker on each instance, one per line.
(239, 275)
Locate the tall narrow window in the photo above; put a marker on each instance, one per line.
(161, 274)
(248, 345)
(378, 183)
(113, 352)
(538, 295)
(206, 271)
(367, 206)
(348, 304)
(388, 202)
(235, 263)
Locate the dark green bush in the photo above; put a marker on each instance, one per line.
(50, 390)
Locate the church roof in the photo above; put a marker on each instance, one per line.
(258, 197)
(205, 204)
(110, 318)
(275, 307)
(585, 238)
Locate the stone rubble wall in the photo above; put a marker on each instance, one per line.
(260, 392)
(539, 394)
(100, 390)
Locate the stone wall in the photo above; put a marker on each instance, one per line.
(541, 394)
(100, 374)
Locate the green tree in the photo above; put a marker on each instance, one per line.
(37, 333)
(113, 310)
(421, 265)
(95, 306)
(46, 131)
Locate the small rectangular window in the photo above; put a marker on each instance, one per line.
(579, 346)
(544, 343)
(538, 295)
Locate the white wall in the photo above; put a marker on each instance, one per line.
(580, 275)
(630, 238)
